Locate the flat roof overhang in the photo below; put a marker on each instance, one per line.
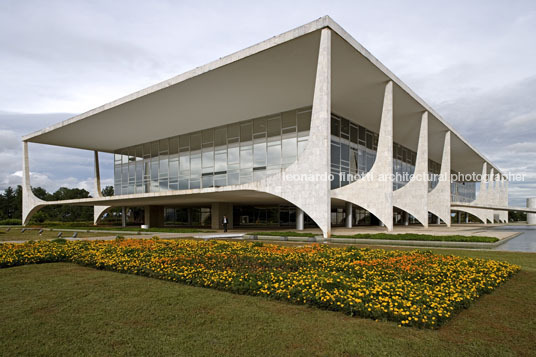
(192, 197)
(273, 76)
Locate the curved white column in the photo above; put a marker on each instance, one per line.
(98, 212)
(483, 198)
(413, 196)
(374, 191)
(439, 197)
(306, 183)
(30, 203)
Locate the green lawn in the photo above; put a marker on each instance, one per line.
(66, 309)
(401, 236)
(15, 234)
(283, 234)
(421, 237)
(85, 227)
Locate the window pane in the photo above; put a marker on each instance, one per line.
(195, 184)
(246, 158)
(164, 166)
(208, 158)
(274, 127)
(245, 132)
(164, 146)
(220, 136)
(154, 169)
(208, 181)
(259, 151)
(304, 121)
(195, 165)
(233, 155)
(233, 178)
(174, 145)
(335, 127)
(289, 149)
(288, 120)
(335, 154)
(345, 153)
(220, 180)
(274, 155)
(208, 136)
(184, 141)
(345, 127)
(220, 161)
(353, 134)
(259, 126)
(173, 169)
(195, 142)
(233, 131)
(369, 140)
(184, 163)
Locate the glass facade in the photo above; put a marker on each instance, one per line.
(188, 217)
(463, 191)
(253, 149)
(267, 216)
(228, 155)
(353, 151)
(434, 170)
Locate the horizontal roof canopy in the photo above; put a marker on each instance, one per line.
(273, 76)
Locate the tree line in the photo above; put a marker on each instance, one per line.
(11, 204)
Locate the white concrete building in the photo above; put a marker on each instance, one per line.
(304, 129)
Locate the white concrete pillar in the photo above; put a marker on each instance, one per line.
(466, 217)
(299, 219)
(98, 192)
(349, 214)
(312, 196)
(413, 196)
(123, 217)
(30, 203)
(406, 218)
(439, 198)
(98, 212)
(438, 220)
(147, 216)
(531, 217)
(374, 192)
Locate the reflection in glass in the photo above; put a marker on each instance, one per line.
(227, 155)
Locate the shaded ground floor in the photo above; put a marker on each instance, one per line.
(271, 216)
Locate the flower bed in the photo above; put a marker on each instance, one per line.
(414, 288)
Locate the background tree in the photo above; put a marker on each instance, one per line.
(108, 191)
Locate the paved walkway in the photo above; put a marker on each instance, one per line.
(455, 229)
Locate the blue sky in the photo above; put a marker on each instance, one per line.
(473, 61)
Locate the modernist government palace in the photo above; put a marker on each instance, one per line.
(306, 129)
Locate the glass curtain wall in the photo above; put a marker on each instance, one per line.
(353, 151)
(228, 155)
(463, 191)
(434, 170)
